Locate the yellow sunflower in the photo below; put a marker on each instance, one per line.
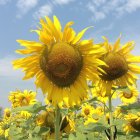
(129, 95)
(134, 120)
(127, 128)
(46, 118)
(7, 113)
(60, 61)
(69, 126)
(87, 110)
(22, 98)
(118, 113)
(95, 115)
(100, 93)
(121, 69)
(4, 128)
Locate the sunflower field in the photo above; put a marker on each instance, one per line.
(79, 80)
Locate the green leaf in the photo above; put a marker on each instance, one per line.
(32, 108)
(44, 130)
(131, 107)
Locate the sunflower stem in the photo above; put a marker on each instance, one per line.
(110, 117)
(57, 121)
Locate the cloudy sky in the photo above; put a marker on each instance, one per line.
(110, 18)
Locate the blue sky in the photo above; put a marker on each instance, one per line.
(18, 17)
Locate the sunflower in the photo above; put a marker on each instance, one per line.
(46, 118)
(69, 127)
(119, 113)
(60, 61)
(120, 69)
(129, 96)
(100, 93)
(7, 113)
(134, 120)
(22, 98)
(127, 128)
(4, 128)
(94, 116)
(87, 110)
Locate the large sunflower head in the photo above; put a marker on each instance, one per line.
(129, 95)
(120, 69)
(60, 61)
(22, 98)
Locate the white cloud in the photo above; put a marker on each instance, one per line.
(103, 8)
(98, 15)
(6, 68)
(45, 10)
(24, 6)
(62, 2)
(129, 6)
(3, 2)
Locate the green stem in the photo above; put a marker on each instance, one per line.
(110, 117)
(57, 121)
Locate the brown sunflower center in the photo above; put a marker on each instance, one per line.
(127, 95)
(136, 125)
(61, 64)
(117, 66)
(86, 111)
(8, 114)
(24, 101)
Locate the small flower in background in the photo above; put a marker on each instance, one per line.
(91, 114)
(22, 98)
(4, 128)
(60, 61)
(7, 113)
(133, 122)
(87, 110)
(118, 113)
(100, 93)
(127, 128)
(129, 95)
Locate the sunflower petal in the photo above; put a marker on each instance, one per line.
(80, 35)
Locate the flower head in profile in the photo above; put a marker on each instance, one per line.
(119, 113)
(121, 67)
(61, 62)
(129, 95)
(133, 121)
(7, 113)
(127, 128)
(4, 128)
(100, 93)
(22, 98)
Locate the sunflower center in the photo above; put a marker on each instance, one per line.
(127, 95)
(8, 114)
(136, 125)
(86, 111)
(24, 101)
(117, 66)
(61, 64)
